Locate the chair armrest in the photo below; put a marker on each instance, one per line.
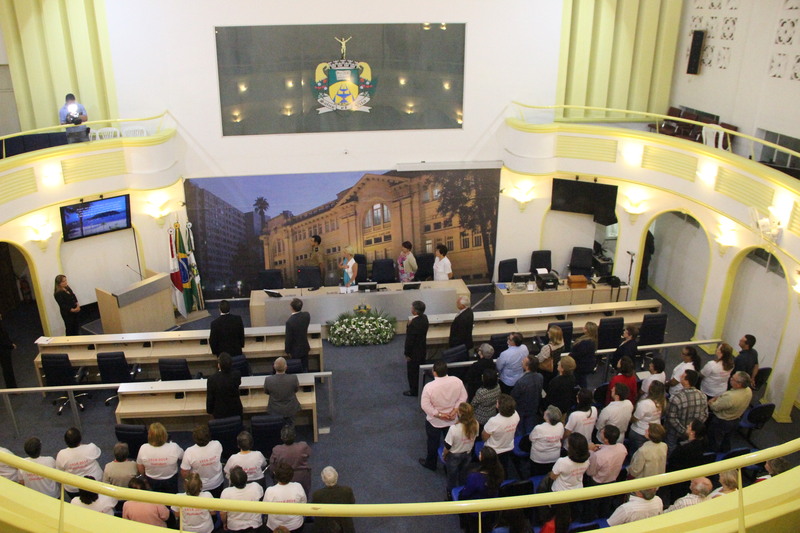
(81, 374)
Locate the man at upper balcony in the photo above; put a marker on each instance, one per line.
(72, 112)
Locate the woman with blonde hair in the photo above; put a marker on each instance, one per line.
(550, 353)
(158, 460)
(729, 482)
(67, 305)
(648, 411)
(458, 446)
(349, 267)
(583, 351)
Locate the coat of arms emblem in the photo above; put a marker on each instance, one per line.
(343, 84)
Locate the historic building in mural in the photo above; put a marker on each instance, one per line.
(379, 213)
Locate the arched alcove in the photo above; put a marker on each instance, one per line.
(758, 303)
(679, 265)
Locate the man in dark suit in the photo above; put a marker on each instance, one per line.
(227, 332)
(222, 390)
(333, 493)
(296, 345)
(416, 344)
(6, 347)
(461, 328)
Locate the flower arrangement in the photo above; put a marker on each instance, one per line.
(362, 327)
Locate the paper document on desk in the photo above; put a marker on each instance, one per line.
(541, 271)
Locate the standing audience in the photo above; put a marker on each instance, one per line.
(120, 471)
(251, 461)
(550, 354)
(583, 351)
(583, 419)
(509, 363)
(159, 459)
(294, 454)
(79, 459)
(440, 400)
(627, 375)
(648, 411)
(716, 373)
(528, 394)
(96, 502)
(619, 411)
(499, 431)
(726, 411)
(286, 491)
(154, 514)
(193, 519)
(485, 401)
(458, 445)
(642, 504)
(689, 361)
(561, 389)
(205, 458)
(241, 490)
(333, 493)
(33, 448)
(472, 381)
(651, 458)
(687, 405)
(699, 489)
(546, 441)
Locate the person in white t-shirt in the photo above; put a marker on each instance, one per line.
(568, 471)
(618, 412)
(689, 361)
(583, 419)
(657, 373)
(458, 445)
(546, 441)
(79, 459)
(158, 460)
(33, 447)
(205, 458)
(96, 502)
(648, 411)
(252, 461)
(241, 490)
(286, 491)
(442, 269)
(499, 431)
(7, 471)
(192, 519)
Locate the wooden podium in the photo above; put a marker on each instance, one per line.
(144, 306)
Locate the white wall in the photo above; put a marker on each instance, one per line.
(754, 291)
(744, 83)
(679, 267)
(512, 50)
(563, 231)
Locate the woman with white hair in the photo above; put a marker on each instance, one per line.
(349, 266)
(546, 441)
(333, 493)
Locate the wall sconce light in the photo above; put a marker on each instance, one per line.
(446, 85)
(287, 111)
(632, 153)
(707, 172)
(726, 237)
(157, 208)
(289, 83)
(426, 26)
(636, 205)
(41, 231)
(410, 108)
(522, 192)
(402, 81)
(443, 26)
(50, 174)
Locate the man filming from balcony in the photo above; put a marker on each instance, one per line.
(72, 112)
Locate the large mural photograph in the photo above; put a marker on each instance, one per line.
(244, 226)
(340, 77)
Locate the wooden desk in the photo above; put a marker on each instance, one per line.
(503, 299)
(326, 303)
(534, 321)
(144, 402)
(261, 346)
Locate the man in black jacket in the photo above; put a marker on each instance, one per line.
(6, 347)
(296, 344)
(227, 332)
(416, 344)
(222, 390)
(461, 328)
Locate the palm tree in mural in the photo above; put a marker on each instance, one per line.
(260, 206)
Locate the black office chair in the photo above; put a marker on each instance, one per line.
(383, 271)
(600, 395)
(456, 354)
(506, 270)
(499, 341)
(654, 327)
(566, 330)
(361, 261)
(760, 385)
(609, 332)
(173, 369)
(580, 263)
(57, 371)
(134, 435)
(240, 363)
(225, 430)
(270, 279)
(294, 366)
(542, 259)
(424, 267)
(309, 276)
(266, 431)
(114, 368)
(755, 418)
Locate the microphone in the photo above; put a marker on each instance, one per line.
(140, 274)
(631, 253)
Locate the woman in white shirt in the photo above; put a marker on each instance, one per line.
(349, 266)
(568, 471)
(191, 519)
(717, 372)
(458, 446)
(499, 431)
(583, 419)
(689, 361)
(546, 441)
(205, 458)
(286, 491)
(158, 460)
(241, 490)
(648, 411)
(442, 269)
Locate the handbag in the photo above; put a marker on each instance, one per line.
(546, 365)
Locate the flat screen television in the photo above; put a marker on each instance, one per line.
(96, 217)
(585, 197)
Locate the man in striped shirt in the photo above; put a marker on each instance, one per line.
(698, 492)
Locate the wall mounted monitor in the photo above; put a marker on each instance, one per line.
(96, 217)
(585, 197)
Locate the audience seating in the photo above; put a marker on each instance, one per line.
(135, 131)
(668, 127)
(383, 271)
(58, 371)
(294, 366)
(456, 354)
(266, 431)
(134, 435)
(755, 418)
(225, 430)
(105, 133)
(114, 368)
(239, 362)
(580, 262)
(424, 267)
(654, 326)
(727, 139)
(506, 270)
(609, 332)
(499, 341)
